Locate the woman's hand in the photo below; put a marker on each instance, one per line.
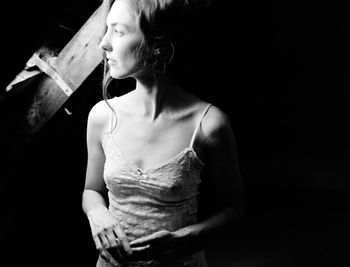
(109, 238)
(163, 245)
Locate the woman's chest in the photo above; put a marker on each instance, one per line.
(174, 180)
(149, 145)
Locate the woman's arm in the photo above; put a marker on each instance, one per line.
(222, 191)
(104, 227)
(94, 189)
(225, 196)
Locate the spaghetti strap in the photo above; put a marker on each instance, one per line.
(199, 124)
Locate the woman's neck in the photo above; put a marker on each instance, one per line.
(152, 98)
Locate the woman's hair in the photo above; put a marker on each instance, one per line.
(166, 25)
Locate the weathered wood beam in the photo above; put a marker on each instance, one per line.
(82, 54)
(66, 72)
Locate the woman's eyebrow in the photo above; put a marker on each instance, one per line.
(115, 23)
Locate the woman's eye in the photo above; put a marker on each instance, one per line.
(118, 32)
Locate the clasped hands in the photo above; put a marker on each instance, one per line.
(162, 245)
(113, 244)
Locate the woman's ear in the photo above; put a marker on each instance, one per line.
(156, 51)
(163, 52)
(163, 49)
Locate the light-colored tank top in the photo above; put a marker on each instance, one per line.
(154, 199)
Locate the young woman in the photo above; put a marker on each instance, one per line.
(162, 175)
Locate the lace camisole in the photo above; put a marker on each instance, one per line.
(154, 199)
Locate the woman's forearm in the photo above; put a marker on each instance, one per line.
(92, 199)
(212, 227)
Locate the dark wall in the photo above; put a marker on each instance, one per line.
(280, 69)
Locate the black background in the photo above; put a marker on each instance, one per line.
(279, 69)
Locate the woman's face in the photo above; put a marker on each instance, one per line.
(121, 39)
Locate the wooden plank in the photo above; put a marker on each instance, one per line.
(73, 65)
(82, 54)
(46, 102)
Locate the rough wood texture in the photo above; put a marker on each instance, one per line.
(46, 102)
(82, 54)
(74, 64)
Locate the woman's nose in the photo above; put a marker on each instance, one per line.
(105, 44)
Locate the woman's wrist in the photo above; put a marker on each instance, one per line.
(96, 209)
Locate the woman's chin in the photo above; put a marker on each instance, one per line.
(118, 75)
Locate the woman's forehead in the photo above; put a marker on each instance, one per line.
(122, 12)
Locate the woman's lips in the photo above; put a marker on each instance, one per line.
(111, 61)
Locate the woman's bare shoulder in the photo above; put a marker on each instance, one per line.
(216, 124)
(99, 114)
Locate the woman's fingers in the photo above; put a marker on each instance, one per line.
(100, 248)
(141, 253)
(111, 238)
(112, 243)
(141, 242)
(157, 237)
(117, 253)
(97, 241)
(123, 240)
(104, 255)
(107, 242)
(104, 241)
